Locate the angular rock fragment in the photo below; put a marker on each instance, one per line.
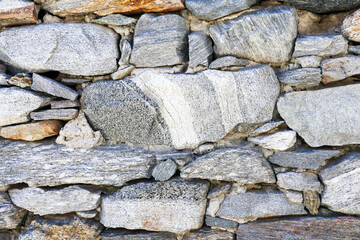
(229, 61)
(116, 234)
(159, 41)
(219, 223)
(267, 127)
(200, 50)
(303, 77)
(115, 20)
(17, 12)
(56, 201)
(299, 181)
(312, 201)
(214, 205)
(122, 72)
(125, 49)
(59, 104)
(354, 49)
(309, 61)
(87, 214)
(173, 206)
(325, 6)
(4, 79)
(293, 196)
(208, 234)
(50, 47)
(341, 179)
(337, 69)
(74, 81)
(49, 164)
(315, 115)
(22, 80)
(245, 35)
(244, 165)
(10, 215)
(164, 170)
(350, 26)
(279, 141)
(60, 114)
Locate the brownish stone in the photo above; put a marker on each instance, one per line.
(21, 80)
(32, 131)
(351, 26)
(312, 201)
(25, 13)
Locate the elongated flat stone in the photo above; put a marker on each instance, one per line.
(279, 141)
(10, 215)
(229, 61)
(115, 20)
(200, 49)
(60, 114)
(17, 12)
(209, 234)
(116, 234)
(299, 181)
(267, 127)
(325, 6)
(303, 77)
(59, 104)
(220, 223)
(336, 69)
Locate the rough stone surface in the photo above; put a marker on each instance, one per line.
(60, 114)
(280, 141)
(249, 206)
(122, 72)
(213, 9)
(293, 196)
(354, 49)
(59, 104)
(125, 48)
(7, 236)
(229, 61)
(304, 159)
(323, 117)
(245, 36)
(325, 6)
(209, 234)
(267, 127)
(184, 110)
(22, 80)
(244, 165)
(220, 223)
(16, 105)
(299, 181)
(200, 49)
(164, 170)
(4, 79)
(173, 206)
(303, 77)
(340, 68)
(116, 20)
(115, 234)
(17, 12)
(49, 164)
(74, 81)
(312, 201)
(96, 48)
(55, 201)
(214, 205)
(309, 61)
(10, 215)
(159, 41)
(323, 46)
(350, 26)
(218, 191)
(87, 214)
(341, 179)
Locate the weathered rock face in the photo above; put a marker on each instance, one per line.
(164, 170)
(279, 141)
(325, 6)
(159, 41)
(264, 36)
(299, 181)
(100, 7)
(60, 114)
(303, 77)
(173, 206)
(209, 234)
(341, 179)
(229, 61)
(243, 165)
(48, 164)
(206, 106)
(298, 228)
(97, 48)
(10, 215)
(211, 10)
(112, 234)
(55, 201)
(267, 127)
(17, 12)
(309, 61)
(337, 69)
(315, 115)
(350, 27)
(200, 49)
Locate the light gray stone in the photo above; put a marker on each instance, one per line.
(323, 46)
(4, 79)
(293, 196)
(87, 214)
(200, 49)
(52, 87)
(208, 234)
(50, 47)
(267, 127)
(266, 35)
(116, 20)
(244, 165)
(16, 105)
(59, 104)
(229, 61)
(299, 181)
(123, 71)
(173, 206)
(56, 201)
(218, 191)
(159, 41)
(164, 170)
(49, 164)
(341, 179)
(354, 49)
(10, 215)
(337, 69)
(181, 110)
(219, 223)
(303, 77)
(125, 48)
(309, 61)
(180, 158)
(74, 81)
(325, 6)
(214, 205)
(278, 141)
(204, 148)
(60, 114)
(350, 26)
(117, 234)
(323, 117)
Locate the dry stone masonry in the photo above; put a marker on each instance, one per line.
(179, 119)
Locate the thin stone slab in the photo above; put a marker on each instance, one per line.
(267, 127)
(244, 165)
(125, 49)
(209, 234)
(334, 228)
(164, 170)
(354, 49)
(220, 223)
(50, 164)
(278, 141)
(74, 81)
(50, 47)
(87, 214)
(59, 104)
(200, 49)
(299, 181)
(60, 114)
(336, 69)
(350, 27)
(10, 215)
(22, 80)
(7, 236)
(56, 201)
(341, 179)
(315, 115)
(229, 61)
(325, 6)
(173, 206)
(244, 36)
(309, 61)
(303, 77)
(116, 234)
(115, 20)
(17, 12)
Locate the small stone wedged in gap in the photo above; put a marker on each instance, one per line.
(299, 181)
(230, 61)
(123, 71)
(336, 69)
(18, 12)
(22, 80)
(164, 170)
(293, 196)
(312, 201)
(208, 234)
(200, 51)
(120, 234)
(265, 128)
(303, 77)
(11, 216)
(219, 190)
(115, 19)
(125, 49)
(220, 223)
(278, 141)
(59, 104)
(74, 81)
(59, 114)
(87, 214)
(309, 61)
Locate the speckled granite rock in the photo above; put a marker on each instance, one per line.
(336, 69)
(325, 6)
(303, 77)
(10, 215)
(350, 26)
(278, 141)
(299, 181)
(208, 234)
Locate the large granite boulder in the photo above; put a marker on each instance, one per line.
(325, 6)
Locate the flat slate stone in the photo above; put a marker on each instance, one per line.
(173, 206)
(229, 61)
(116, 234)
(299, 181)
(220, 223)
(323, 117)
(266, 35)
(209, 234)
(325, 6)
(303, 77)
(50, 164)
(336, 69)
(267, 127)
(244, 165)
(115, 20)
(10, 215)
(59, 104)
(50, 47)
(200, 49)
(60, 114)
(17, 12)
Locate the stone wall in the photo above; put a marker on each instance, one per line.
(172, 119)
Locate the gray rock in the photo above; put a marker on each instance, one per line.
(173, 206)
(180, 158)
(299, 181)
(125, 48)
(208, 234)
(354, 49)
(49, 164)
(56, 201)
(192, 109)
(337, 69)
(350, 27)
(278, 141)
(341, 179)
(164, 170)
(116, 20)
(249, 206)
(323, 117)
(229, 61)
(59, 104)
(7, 236)
(266, 35)
(325, 6)
(267, 127)
(215, 222)
(117, 234)
(123, 71)
(244, 165)
(218, 191)
(87, 214)
(312, 201)
(159, 41)
(52, 87)
(309, 61)
(4, 79)
(293, 196)
(214, 205)
(50, 47)
(10, 215)
(16, 105)
(323, 46)
(304, 159)
(74, 81)
(61, 114)
(303, 77)
(200, 49)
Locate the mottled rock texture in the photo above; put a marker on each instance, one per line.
(267, 127)
(209, 234)
(10, 215)
(336, 69)
(280, 141)
(303, 77)
(350, 27)
(299, 181)
(200, 49)
(60, 114)
(116, 234)
(325, 6)
(17, 12)
(164, 170)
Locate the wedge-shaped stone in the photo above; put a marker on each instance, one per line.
(16, 105)
(50, 47)
(263, 36)
(323, 117)
(173, 206)
(10, 215)
(325, 6)
(116, 234)
(303, 77)
(299, 181)
(350, 26)
(17, 12)
(200, 49)
(49, 164)
(341, 179)
(244, 165)
(181, 110)
(278, 141)
(60, 114)
(336, 69)
(115, 20)
(254, 204)
(209, 234)
(267, 127)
